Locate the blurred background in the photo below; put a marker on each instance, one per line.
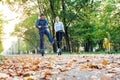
(90, 25)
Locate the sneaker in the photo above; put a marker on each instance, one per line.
(58, 50)
(42, 52)
(60, 53)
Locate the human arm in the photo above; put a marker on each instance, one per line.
(63, 28)
(37, 24)
(54, 27)
(46, 23)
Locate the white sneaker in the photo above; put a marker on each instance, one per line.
(58, 50)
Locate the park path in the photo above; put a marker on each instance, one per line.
(64, 67)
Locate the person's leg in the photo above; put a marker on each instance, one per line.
(60, 41)
(57, 39)
(49, 36)
(42, 42)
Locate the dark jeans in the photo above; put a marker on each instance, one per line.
(41, 33)
(59, 35)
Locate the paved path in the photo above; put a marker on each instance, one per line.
(65, 67)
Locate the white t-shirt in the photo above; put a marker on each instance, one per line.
(58, 26)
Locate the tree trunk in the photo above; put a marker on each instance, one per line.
(100, 45)
(87, 45)
(67, 40)
(53, 33)
(66, 27)
(52, 20)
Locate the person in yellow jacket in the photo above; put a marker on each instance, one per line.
(106, 45)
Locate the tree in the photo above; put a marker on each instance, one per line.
(94, 23)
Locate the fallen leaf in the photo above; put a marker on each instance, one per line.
(36, 62)
(3, 78)
(104, 62)
(93, 66)
(34, 68)
(64, 69)
(30, 79)
(74, 60)
(50, 59)
(84, 66)
(25, 74)
(49, 66)
(47, 73)
(69, 64)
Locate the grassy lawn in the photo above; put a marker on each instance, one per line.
(100, 52)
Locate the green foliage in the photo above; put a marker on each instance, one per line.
(93, 22)
(87, 22)
(27, 31)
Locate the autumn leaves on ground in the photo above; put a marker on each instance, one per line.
(64, 67)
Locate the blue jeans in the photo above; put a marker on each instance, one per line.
(41, 33)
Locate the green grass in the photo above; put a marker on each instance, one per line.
(100, 52)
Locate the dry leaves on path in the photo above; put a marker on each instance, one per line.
(52, 66)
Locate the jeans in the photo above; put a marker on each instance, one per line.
(59, 35)
(41, 33)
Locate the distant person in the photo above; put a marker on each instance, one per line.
(42, 26)
(106, 45)
(59, 29)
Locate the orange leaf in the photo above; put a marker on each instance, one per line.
(104, 62)
(30, 79)
(34, 68)
(36, 62)
(84, 67)
(49, 66)
(3, 79)
(47, 73)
